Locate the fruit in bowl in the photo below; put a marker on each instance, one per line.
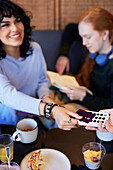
(92, 158)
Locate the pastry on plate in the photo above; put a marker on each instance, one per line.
(35, 160)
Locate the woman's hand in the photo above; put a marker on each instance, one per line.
(108, 124)
(65, 119)
(62, 64)
(75, 93)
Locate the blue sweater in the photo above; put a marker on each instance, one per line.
(20, 82)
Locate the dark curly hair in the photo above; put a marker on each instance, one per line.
(8, 9)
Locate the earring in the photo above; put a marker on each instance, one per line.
(104, 39)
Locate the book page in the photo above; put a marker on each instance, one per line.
(61, 80)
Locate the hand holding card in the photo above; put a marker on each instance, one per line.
(91, 118)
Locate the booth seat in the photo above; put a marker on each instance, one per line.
(50, 42)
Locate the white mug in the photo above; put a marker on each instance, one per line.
(26, 130)
(105, 136)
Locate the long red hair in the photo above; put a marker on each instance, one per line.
(101, 20)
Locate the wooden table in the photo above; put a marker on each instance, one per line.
(21, 149)
(68, 142)
(71, 142)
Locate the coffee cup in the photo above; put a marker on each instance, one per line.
(26, 131)
(105, 136)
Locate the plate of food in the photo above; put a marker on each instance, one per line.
(45, 159)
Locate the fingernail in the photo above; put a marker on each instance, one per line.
(80, 117)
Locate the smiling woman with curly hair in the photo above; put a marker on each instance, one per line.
(7, 9)
(24, 85)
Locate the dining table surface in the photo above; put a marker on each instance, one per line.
(68, 142)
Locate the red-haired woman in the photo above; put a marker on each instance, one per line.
(96, 30)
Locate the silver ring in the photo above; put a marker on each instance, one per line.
(69, 121)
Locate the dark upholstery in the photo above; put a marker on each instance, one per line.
(50, 43)
(77, 56)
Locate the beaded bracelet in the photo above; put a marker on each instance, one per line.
(48, 109)
(45, 108)
(53, 107)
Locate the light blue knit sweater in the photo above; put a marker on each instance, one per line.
(20, 82)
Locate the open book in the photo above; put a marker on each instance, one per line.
(61, 81)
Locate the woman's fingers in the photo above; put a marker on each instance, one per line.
(66, 120)
(71, 122)
(106, 111)
(68, 125)
(109, 127)
(65, 91)
(66, 128)
(74, 115)
(101, 128)
(91, 128)
(61, 64)
(96, 128)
